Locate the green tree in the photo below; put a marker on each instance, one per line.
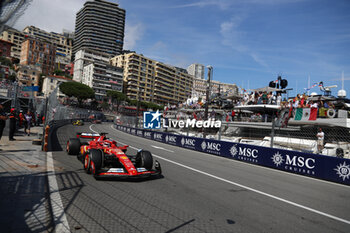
(12, 77)
(132, 102)
(78, 90)
(6, 62)
(117, 97)
(59, 72)
(104, 105)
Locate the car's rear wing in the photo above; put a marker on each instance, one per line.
(90, 135)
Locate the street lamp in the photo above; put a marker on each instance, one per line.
(210, 74)
(138, 107)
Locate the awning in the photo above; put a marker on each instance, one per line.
(267, 89)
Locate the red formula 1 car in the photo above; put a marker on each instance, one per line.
(102, 157)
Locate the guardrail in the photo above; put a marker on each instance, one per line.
(54, 125)
(318, 166)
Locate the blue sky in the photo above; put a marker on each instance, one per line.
(248, 42)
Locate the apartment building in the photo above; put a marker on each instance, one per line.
(5, 48)
(63, 43)
(16, 38)
(196, 70)
(87, 56)
(200, 88)
(36, 52)
(102, 77)
(51, 82)
(152, 80)
(29, 75)
(99, 25)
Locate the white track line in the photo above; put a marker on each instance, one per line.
(248, 188)
(161, 148)
(60, 219)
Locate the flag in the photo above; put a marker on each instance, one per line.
(298, 114)
(313, 114)
(306, 114)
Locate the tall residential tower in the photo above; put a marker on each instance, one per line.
(99, 26)
(197, 70)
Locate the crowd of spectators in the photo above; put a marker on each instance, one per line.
(300, 101)
(270, 98)
(261, 98)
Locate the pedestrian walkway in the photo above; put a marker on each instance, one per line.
(24, 202)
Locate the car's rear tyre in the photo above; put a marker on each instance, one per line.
(96, 159)
(144, 159)
(73, 146)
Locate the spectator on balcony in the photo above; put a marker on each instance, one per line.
(279, 99)
(303, 101)
(296, 101)
(313, 105)
(264, 97)
(233, 113)
(260, 101)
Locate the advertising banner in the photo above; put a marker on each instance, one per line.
(314, 165)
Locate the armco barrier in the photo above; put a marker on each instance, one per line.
(54, 125)
(314, 165)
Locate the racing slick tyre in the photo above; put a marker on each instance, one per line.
(73, 146)
(145, 159)
(95, 161)
(86, 163)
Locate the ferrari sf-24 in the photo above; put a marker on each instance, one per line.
(104, 158)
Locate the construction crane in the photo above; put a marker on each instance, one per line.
(11, 11)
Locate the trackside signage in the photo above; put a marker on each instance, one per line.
(153, 120)
(318, 166)
(171, 139)
(191, 123)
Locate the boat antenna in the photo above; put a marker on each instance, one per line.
(308, 86)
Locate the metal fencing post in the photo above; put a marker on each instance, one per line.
(272, 130)
(220, 130)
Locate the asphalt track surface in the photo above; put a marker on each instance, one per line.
(197, 193)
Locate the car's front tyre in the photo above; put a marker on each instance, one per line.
(144, 159)
(96, 159)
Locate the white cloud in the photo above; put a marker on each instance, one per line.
(231, 35)
(257, 58)
(133, 33)
(226, 4)
(51, 15)
(222, 4)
